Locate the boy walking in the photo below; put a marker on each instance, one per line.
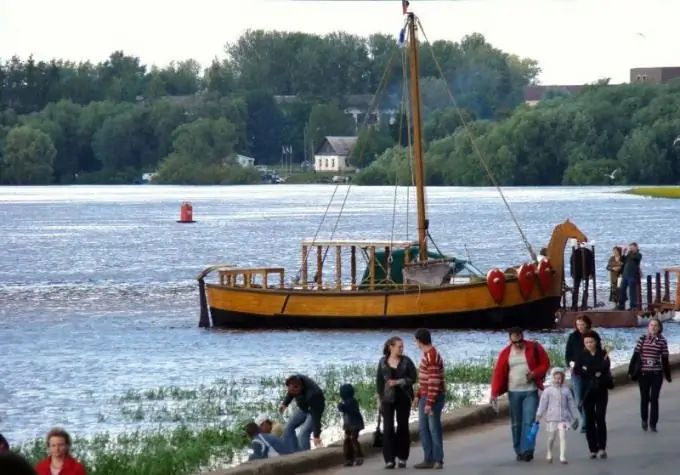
(430, 399)
(353, 423)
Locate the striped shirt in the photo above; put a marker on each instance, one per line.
(652, 349)
(431, 376)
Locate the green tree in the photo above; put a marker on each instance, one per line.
(27, 158)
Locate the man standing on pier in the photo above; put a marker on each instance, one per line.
(311, 403)
(630, 276)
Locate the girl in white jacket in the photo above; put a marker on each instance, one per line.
(557, 408)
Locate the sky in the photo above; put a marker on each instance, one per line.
(575, 41)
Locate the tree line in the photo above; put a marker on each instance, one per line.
(66, 122)
(604, 134)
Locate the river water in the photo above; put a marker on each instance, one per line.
(98, 292)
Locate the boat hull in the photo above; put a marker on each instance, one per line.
(251, 309)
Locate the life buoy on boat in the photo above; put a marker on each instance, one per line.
(544, 273)
(526, 278)
(495, 282)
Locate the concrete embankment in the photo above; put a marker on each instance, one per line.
(464, 422)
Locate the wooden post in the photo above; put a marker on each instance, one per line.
(353, 266)
(282, 282)
(265, 279)
(248, 279)
(657, 288)
(371, 266)
(407, 256)
(639, 292)
(388, 264)
(338, 267)
(594, 279)
(319, 265)
(649, 292)
(666, 286)
(677, 291)
(304, 271)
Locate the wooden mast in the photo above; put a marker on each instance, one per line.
(414, 63)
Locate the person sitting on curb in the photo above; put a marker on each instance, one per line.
(519, 371)
(311, 403)
(263, 445)
(59, 461)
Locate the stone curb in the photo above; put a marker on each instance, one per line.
(331, 456)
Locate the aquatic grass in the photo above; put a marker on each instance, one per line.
(672, 192)
(184, 430)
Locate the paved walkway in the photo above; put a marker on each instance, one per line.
(488, 451)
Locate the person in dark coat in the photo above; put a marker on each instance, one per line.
(311, 403)
(630, 277)
(394, 382)
(593, 366)
(12, 463)
(352, 424)
(573, 350)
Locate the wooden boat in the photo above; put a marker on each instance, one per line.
(403, 285)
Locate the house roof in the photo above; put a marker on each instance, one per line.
(340, 145)
(536, 93)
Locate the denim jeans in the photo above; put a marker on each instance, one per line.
(431, 429)
(523, 406)
(628, 285)
(577, 386)
(303, 420)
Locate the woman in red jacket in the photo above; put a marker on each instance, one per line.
(519, 371)
(59, 462)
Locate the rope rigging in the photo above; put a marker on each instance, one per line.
(376, 97)
(475, 147)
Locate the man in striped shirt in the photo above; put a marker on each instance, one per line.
(649, 365)
(430, 399)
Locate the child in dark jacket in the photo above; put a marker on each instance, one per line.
(353, 423)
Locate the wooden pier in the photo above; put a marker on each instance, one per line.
(661, 294)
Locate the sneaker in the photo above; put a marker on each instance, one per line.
(359, 462)
(549, 458)
(424, 465)
(348, 463)
(438, 466)
(389, 466)
(593, 456)
(653, 428)
(603, 454)
(644, 426)
(401, 463)
(563, 461)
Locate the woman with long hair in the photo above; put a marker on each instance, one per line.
(59, 461)
(593, 366)
(648, 366)
(395, 377)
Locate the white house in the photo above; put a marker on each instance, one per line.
(333, 154)
(245, 162)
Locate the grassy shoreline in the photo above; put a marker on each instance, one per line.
(191, 429)
(670, 192)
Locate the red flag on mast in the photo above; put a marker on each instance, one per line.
(404, 6)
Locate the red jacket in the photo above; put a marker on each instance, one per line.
(71, 467)
(537, 359)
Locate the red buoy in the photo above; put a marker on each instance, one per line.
(186, 213)
(495, 283)
(544, 272)
(526, 278)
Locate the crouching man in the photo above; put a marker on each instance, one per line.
(311, 403)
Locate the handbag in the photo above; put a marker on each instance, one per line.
(378, 435)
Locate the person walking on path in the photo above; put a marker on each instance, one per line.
(558, 408)
(59, 461)
(352, 424)
(430, 398)
(311, 403)
(648, 366)
(593, 366)
(573, 349)
(394, 381)
(630, 276)
(519, 371)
